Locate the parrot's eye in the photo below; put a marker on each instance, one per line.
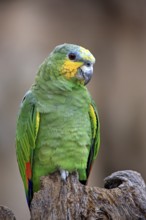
(88, 64)
(72, 56)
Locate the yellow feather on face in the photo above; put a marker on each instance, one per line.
(69, 68)
(86, 55)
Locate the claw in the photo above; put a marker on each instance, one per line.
(64, 174)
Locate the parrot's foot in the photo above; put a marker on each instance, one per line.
(64, 174)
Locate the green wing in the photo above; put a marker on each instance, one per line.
(95, 143)
(26, 133)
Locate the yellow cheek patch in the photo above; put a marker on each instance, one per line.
(69, 68)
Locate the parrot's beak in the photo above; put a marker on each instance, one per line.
(85, 73)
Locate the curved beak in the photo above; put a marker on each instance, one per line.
(85, 73)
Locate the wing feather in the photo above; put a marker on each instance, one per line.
(26, 134)
(95, 142)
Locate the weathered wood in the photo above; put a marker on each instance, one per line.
(6, 213)
(123, 198)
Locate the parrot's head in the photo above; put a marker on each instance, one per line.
(71, 61)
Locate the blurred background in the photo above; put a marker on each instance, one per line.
(115, 32)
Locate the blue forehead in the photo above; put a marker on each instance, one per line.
(81, 53)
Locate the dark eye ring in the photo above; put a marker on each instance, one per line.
(72, 56)
(88, 64)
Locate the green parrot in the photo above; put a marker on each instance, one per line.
(58, 126)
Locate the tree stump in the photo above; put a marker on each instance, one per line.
(122, 198)
(6, 213)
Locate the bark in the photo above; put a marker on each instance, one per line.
(6, 213)
(122, 198)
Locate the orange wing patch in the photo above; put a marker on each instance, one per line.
(28, 171)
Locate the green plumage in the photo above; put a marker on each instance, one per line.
(58, 127)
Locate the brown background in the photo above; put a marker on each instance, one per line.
(115, 32)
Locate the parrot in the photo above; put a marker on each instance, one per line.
(58, 126)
